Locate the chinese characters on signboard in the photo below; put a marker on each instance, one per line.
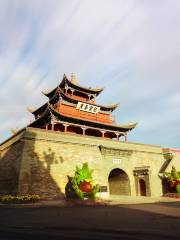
(103, 189)
(87, 107)
(116, 161)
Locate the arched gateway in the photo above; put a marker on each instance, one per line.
(119, 182)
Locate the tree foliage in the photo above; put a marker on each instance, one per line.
(173, 178)
(173, 175)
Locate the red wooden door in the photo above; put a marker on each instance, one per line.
(142, 187)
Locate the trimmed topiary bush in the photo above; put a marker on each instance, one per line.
(174, 179)
(81, 185)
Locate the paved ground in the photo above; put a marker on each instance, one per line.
(117, 221)
(115, 199)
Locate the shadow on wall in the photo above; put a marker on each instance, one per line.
(165, 185)
(164, 166)
(41, 181)
(24, 171)
(49, 158)
(10, 162)
(119, 183)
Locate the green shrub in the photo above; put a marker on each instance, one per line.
(19, 199)
(173, 175)
(82, 175)
(178, 188)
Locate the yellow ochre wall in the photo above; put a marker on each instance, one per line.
(41, 160)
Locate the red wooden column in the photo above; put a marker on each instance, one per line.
(103, 132)
(89, 96)
(117, 135)
(72, 92)
(65, 127)
(84, 130)
(126, 138)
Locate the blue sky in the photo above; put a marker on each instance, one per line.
(132, 48)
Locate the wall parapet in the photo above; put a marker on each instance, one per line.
(44, 135)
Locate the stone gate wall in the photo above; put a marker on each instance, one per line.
(46, 158)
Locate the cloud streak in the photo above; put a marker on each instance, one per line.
(130, 47)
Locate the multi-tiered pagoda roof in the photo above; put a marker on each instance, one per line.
(72, 108)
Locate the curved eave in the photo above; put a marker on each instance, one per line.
(111, 107)
(47, 116)
(31, 110)
(77, 87)
(50, 93)
(55, 98)
(128, 126)
(75, 101)
(44, 119)
(81, 88)
(119, 127)
(41, 109)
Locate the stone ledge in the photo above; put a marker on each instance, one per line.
(13, 139)
(38, 130)
(44, 135)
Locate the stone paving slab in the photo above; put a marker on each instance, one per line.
(149, 221)
(113, 200)
(139, 199)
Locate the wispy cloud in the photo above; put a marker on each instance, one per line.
(130, 47)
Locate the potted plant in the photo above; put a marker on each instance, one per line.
(81, 184)
(174, 179)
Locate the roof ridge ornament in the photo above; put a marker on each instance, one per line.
(74, 78)
(14, 130)
(49, 104)
(46, 91)
(31, 109)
